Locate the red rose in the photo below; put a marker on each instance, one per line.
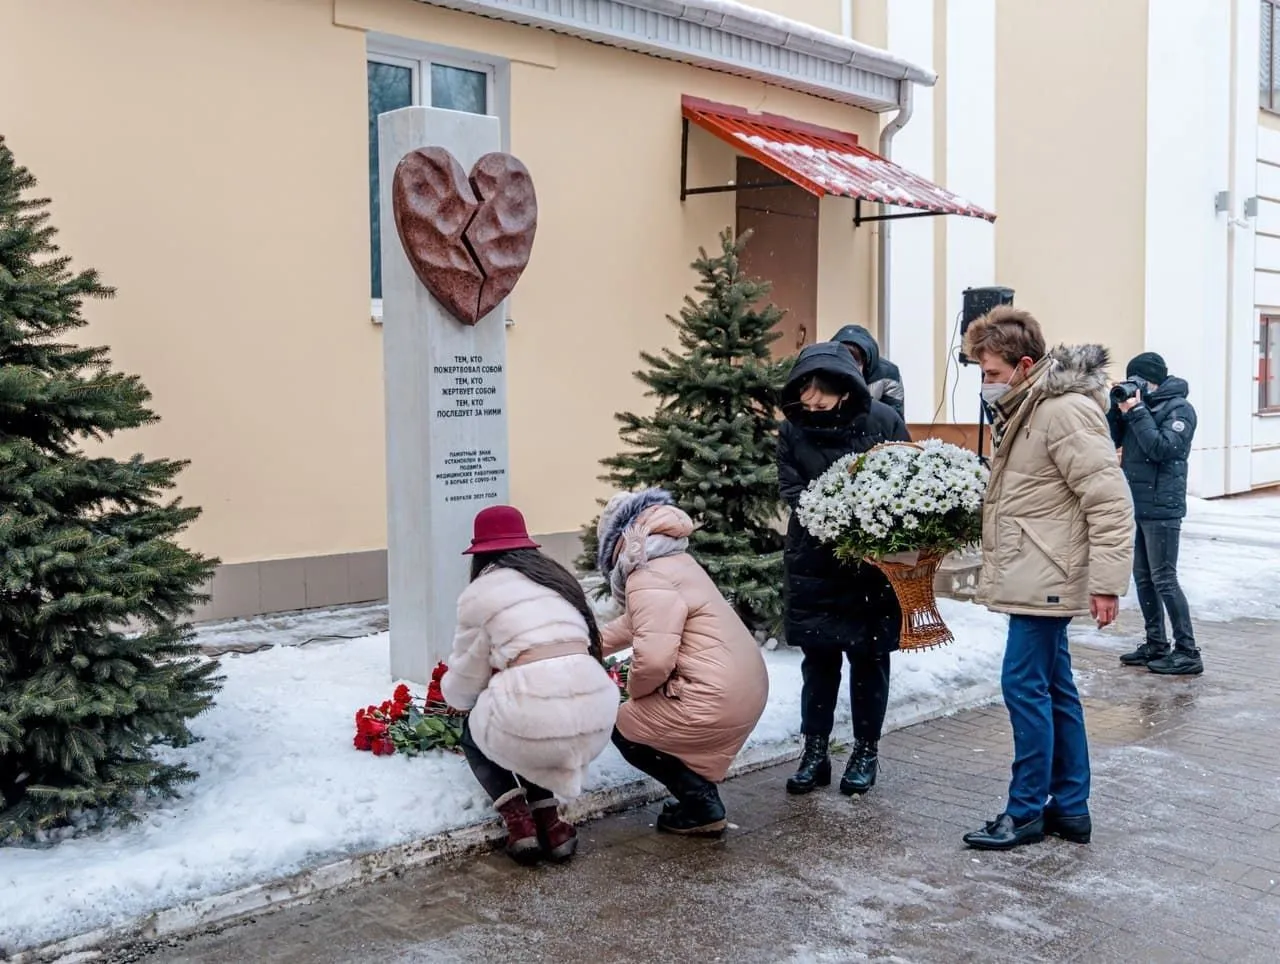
(438, 672)
(397, 711)
(434, 693)
(383, 747)
(402, 695)
(362, 742)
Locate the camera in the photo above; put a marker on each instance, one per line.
(1127, 389)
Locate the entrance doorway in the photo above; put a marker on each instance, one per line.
(783, 250)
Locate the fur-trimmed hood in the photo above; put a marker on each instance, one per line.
(619, 513)
(1081, 369)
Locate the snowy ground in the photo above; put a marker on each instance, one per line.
(281, 788)
(1229, 563)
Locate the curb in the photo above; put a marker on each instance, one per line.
(223, 910)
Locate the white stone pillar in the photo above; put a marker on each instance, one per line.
(1189, 106)
(910, 341)
(970, 152)
(442, 466)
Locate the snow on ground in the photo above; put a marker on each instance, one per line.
(281, 789)
(1229, 559)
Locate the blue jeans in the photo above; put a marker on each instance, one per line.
(1050, 747)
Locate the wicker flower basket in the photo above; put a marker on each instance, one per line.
(911, 575)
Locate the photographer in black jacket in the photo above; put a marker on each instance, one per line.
(1153, 423)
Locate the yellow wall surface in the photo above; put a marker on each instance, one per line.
(871, 22)
(824, 14)
(210, 160)
(1071, 166)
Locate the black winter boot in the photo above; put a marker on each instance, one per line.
(815, 767)
(700, 812)
(860, 774)
(1180, 662)
(1148, 652)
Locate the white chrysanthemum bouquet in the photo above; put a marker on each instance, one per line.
(898, 498)
(901, 507)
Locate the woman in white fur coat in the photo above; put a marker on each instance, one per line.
(526, 663)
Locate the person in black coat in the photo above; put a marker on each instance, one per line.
(834, 610)
(1154, 428)
(882, 376)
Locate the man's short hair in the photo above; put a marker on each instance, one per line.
(1006, 332)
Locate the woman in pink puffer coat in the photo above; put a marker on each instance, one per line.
(698, 683)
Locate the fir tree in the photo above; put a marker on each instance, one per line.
(97, 666)
(712, 439)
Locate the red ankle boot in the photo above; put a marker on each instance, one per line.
(522, 834)
(557, 836)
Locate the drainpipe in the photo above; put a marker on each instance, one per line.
(899, 121)
(846, 18)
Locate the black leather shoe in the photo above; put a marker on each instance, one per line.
(1145, 654)
(860, 774)
(1003, 834)
(1078, 829)
(815, 767)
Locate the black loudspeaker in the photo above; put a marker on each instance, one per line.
(977, 302)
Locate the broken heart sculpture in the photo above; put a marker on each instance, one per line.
(468, 238)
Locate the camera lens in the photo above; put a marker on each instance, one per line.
(1123, 392)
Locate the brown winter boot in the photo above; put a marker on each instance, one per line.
(522, 834)
(557, 836)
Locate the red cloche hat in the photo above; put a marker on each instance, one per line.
(498, 529)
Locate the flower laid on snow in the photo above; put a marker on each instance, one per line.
(434, 694)
(399, 724)
(619, 671)
(898, 498)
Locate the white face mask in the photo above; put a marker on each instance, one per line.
(993, 393)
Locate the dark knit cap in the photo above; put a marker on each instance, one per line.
(1150, 366)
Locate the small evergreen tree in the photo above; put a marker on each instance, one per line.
(712, 439)
(97, 665)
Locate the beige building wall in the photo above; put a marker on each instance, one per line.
(1071, 166)
(824, 14)
(210, 160)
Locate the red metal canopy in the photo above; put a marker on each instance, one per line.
(824, 161)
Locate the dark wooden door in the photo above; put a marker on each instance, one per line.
(783, 250)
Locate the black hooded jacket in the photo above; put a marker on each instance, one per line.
(829, 603)
(1156, 437)
(881, 375)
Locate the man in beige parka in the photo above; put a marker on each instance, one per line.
(1057, 542)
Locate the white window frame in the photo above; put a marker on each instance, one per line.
(1266, 407)
(1267, 100)
(419, 57)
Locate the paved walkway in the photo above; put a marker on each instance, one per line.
(1185, 864)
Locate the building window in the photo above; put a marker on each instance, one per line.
(1269, 365)
(1269, 57)
(397, 81)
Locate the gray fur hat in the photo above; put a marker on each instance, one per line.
(620, 512)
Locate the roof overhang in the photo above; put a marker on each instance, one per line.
(726, 36)
(820, 160)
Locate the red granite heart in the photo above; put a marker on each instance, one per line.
(468, 238)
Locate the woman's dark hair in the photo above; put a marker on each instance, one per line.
(546, 572)
(823, 383)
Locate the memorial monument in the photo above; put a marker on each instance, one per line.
(458, 222)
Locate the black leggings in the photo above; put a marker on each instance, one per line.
(668, 770)
(495, 780)
(868, 691)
